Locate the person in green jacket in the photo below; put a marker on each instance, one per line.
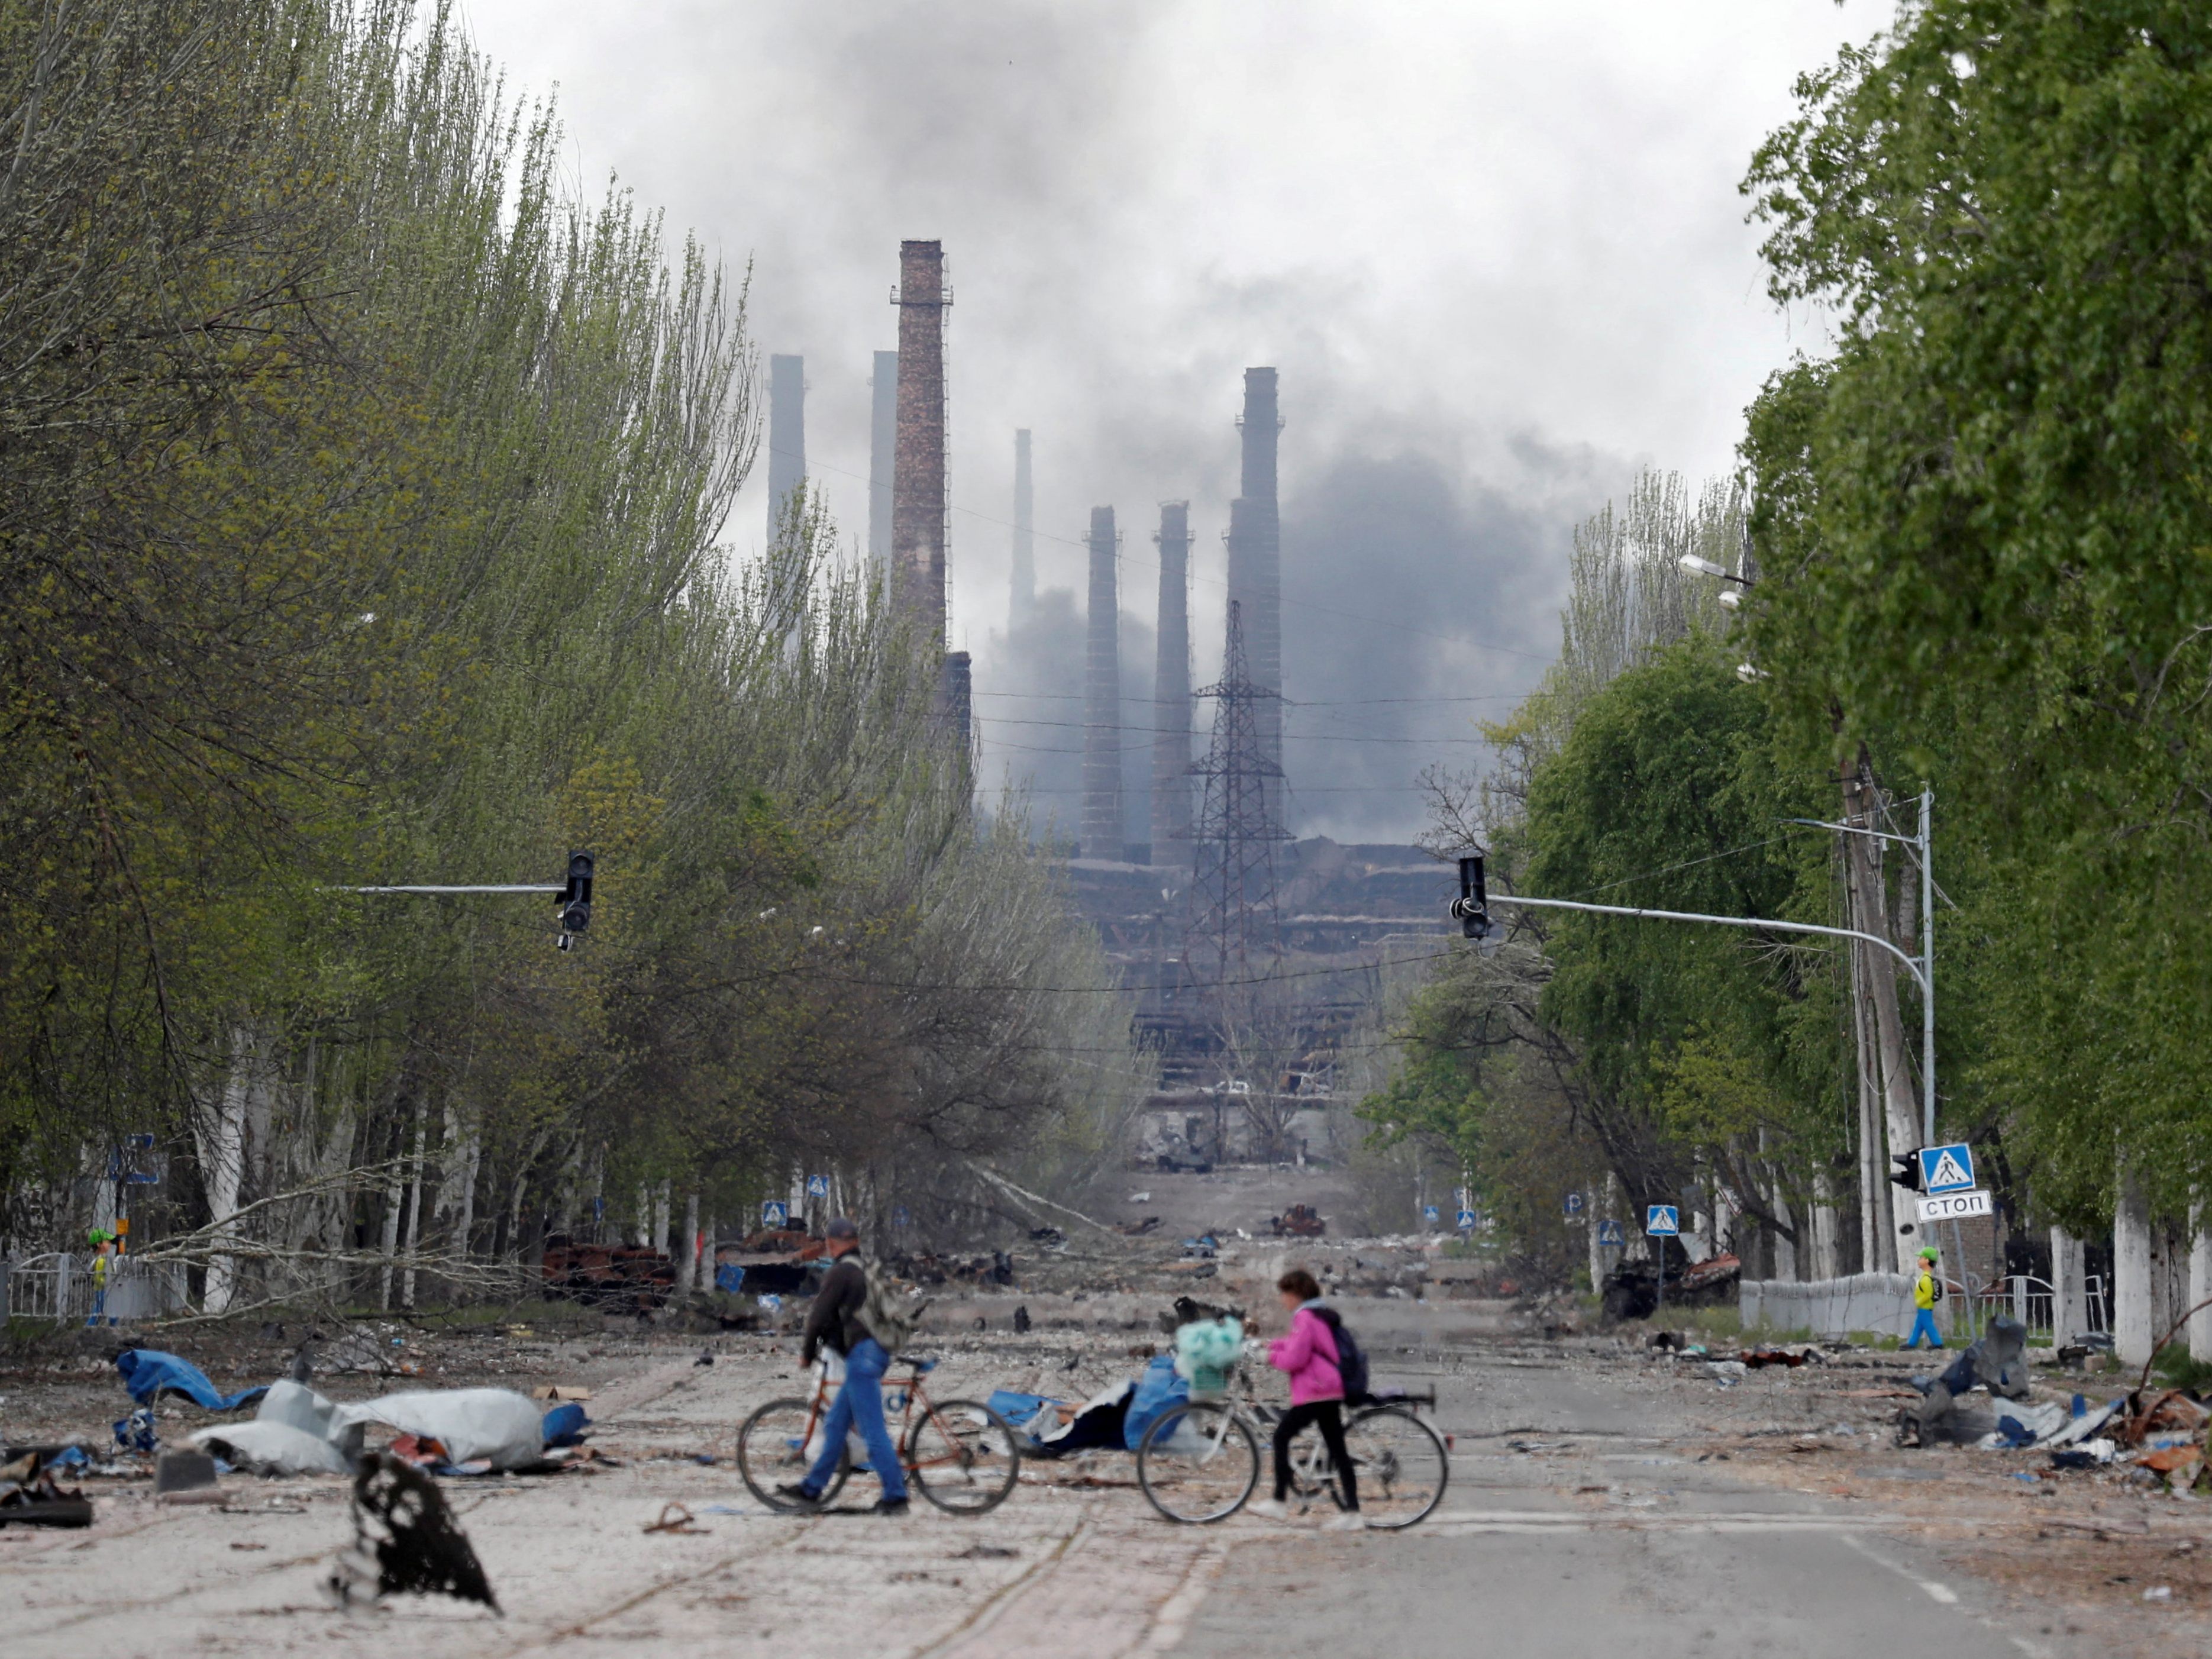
(1927, 1292)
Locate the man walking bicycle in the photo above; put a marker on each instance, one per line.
(836, 1322)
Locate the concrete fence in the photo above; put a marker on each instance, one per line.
(1880, 1302)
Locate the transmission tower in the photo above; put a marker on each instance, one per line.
(1234, 929)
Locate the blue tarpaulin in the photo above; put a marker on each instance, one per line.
(565, 1424)
(1159, 1389)
(149, 1373)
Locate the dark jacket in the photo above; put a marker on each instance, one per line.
(835, 1318)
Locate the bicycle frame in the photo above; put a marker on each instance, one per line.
(824, 1396)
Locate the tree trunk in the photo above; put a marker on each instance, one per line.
(2069, 1286)
(687, 1263)
(2200, 1285)
(2131, 1274)
(219, 1137)
(414, 1202)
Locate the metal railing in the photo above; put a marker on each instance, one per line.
(58, 1286)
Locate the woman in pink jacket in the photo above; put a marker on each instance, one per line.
(1309, 1354)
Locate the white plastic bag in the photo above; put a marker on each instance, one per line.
(262, 1447)
(493, 1424)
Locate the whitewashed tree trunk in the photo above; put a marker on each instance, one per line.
(472, 1161)
(687, 1264)
(2069, 1286)
(1825, 1264)
(2200, 1283)
(661, 1239)
(219, 1137)
(414, 1202)
(2131, 1274)
(390, 1243)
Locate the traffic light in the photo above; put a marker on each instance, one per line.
(575, 901)
(1907, 1173)
(1472, 907)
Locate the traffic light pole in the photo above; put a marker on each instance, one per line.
(573, 898)
(1472, 908)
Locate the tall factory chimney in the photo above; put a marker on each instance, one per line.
(1024, 604)
(1171, 691)
(1102, 698)
(1256, 560)
(917, 575)
(883, 438)
(787, 434)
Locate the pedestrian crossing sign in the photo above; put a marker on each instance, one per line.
(817, 1186)
(1947, 1168)
(1466, 1223)
(775, 1213)
(1609, 1232)
(1429, 1213)
(1663, 1221)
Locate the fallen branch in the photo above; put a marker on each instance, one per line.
(1024, 1195)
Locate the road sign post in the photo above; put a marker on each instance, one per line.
(1662, 1222)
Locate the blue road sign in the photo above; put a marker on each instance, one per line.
(1663, 1221)
(817, 1186)
(900, 1217)
(1947, 1168)
(1429, 1213)
(776, 1213)
(1466, 1223)
(1609, 1232)
(1574, 1203)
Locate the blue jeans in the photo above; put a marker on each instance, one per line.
(860, 1404)
(1925, 1321)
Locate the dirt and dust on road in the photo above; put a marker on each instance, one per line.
(1600, 1491)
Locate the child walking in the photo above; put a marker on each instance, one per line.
(1308, 1355)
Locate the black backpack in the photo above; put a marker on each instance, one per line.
(1351, 1359)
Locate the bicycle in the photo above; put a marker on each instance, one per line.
(961, 1455)
(1199, 1462)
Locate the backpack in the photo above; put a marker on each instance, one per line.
(1351, 1359)
(890, 1314)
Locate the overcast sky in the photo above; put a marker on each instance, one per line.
(1497, 251)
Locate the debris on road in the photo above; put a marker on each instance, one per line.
(405, 1541)
(149, 1373)
(185, 1477)
(29, 1497)
(674, 1517)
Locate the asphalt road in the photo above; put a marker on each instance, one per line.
(1580, 1520)
(1606, 1540)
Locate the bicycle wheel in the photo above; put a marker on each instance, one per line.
(772, 1452)
(1199, 1462)
(1400, 1463)
(962, 1457)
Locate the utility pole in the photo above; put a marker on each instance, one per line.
(1876, 969)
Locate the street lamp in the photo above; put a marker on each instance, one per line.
(1698, 566)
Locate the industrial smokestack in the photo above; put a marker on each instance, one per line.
(786, 434)
(1171, 691)
(1256, 560)
(883, 440)
(1022, 605)
(918, 530)
(1102, 698)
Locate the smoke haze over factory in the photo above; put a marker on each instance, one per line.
(1499, 260)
